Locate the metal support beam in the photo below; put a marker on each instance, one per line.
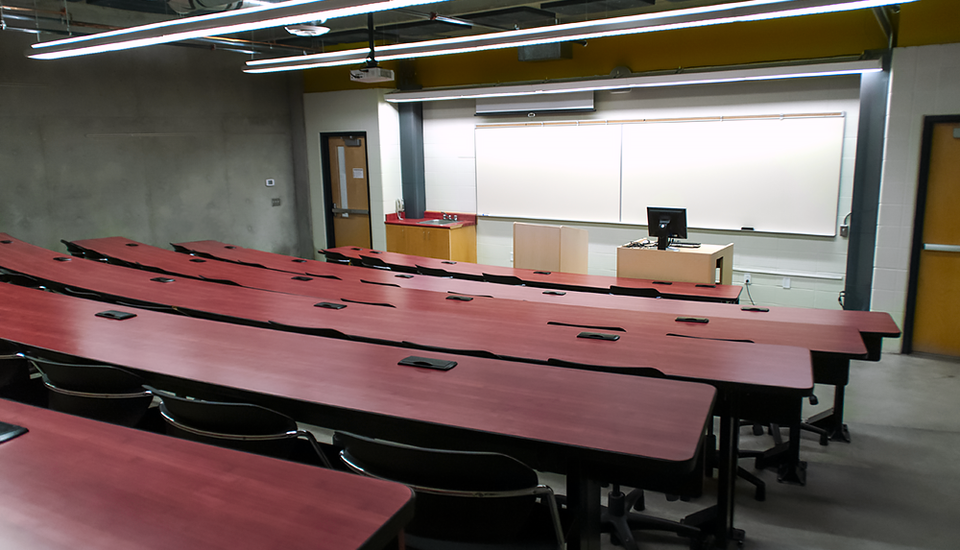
(885, 18)
(865, 207)
(411, 159)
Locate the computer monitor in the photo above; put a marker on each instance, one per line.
(664, 223)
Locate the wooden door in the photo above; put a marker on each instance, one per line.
(936, 324)
(350, 193)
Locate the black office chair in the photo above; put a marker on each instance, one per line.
(16, 382)
(630, 291)
(100, 392)
(465, 499)
(434, 272)
(241, 426)
(503, 279)
(335, 257)
(378, 263)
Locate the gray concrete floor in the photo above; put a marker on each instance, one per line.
(895, 486)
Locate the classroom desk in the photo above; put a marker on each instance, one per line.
(872, 325)
(830, 369)
(565, 420)
(71, 483)
(506, 329)
(540, 279)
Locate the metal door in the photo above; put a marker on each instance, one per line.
(349, 191)
(935, 270)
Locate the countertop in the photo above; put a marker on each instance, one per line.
(463, 220)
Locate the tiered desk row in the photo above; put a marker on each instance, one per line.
(594, 427)
(540, 279)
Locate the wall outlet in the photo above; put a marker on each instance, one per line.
(271, 182)
(747, 278)
(275, 202)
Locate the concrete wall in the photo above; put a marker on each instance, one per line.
(160, 144)
(925, 81)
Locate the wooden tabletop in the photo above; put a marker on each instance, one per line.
(867, 322)
(71, 483)
(545, 279)
(507, 328)
(573, 413)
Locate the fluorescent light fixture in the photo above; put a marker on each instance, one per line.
(626, 83)
(749, 10)
(281, 14)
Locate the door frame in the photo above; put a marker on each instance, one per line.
(926, 145)
(328, 183)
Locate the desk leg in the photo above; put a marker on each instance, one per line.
(786, 456)
(718, 519)
(831, 420)
(583, 496)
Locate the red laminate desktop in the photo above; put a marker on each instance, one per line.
(532, 277)
(568, 420)
(873, 325)
(522, 330)
(71, 483)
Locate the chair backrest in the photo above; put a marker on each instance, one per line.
(434, 271)
(503, 279)
(101, 392)
(461, 495)
(242, 426)
(629, 291)
(14, 369)
(90, 378)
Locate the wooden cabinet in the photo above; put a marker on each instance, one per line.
(443, 243)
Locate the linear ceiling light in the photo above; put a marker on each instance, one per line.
(750, 10)
(260, 17)
(680, 79)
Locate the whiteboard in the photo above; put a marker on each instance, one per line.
(771, 174)
(775, 175)
(549, 172)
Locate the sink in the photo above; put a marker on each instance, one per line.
(438, 222)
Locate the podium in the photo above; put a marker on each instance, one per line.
(685, 265)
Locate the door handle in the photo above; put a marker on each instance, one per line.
(349, 211)
(941, 247)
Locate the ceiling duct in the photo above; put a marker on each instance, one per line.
(545, 52)
(533, 105)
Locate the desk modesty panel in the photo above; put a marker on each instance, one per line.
(71, 483)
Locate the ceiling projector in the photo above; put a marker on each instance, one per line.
(371, 74)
